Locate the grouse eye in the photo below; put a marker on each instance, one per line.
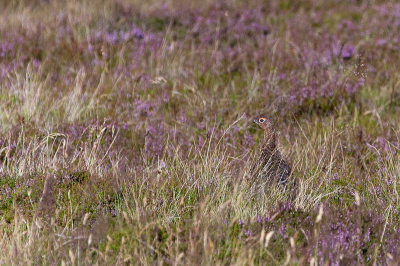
(261, 120)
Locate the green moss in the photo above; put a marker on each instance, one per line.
(157, 24)
(10, 182)
(285, 4)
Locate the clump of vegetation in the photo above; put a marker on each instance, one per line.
(126, 132)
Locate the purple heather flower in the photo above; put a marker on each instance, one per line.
(381, 42)
(241, 223)
(137, 33)
(348, 51)
(200, 125)
(248, 233)
(112, 37)
(248, 139)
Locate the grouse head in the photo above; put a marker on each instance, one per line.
(269, 131)
(265, 123)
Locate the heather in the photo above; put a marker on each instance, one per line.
(126, 133)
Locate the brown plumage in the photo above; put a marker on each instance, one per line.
(270, 165)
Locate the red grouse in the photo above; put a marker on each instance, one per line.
(270, 165)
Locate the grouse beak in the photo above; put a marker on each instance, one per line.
(255, 121)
